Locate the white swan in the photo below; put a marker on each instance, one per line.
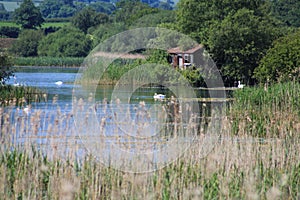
(58, 82)
(159, 96)
(27, 110)
(240, 85)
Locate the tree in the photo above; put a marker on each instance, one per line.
(128, 11)
(67, 42)
(239, 42)
(27, 43)
(105, 31)
(28, 16)
(5, 64)
(282, 61)
(87, 18)
(288, 11)
(57, 9)
(195, 17)
(103, 7)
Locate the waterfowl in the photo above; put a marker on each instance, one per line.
(58, 82)
(159, 96)
(240, 85)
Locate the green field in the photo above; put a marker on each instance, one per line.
(45, 25)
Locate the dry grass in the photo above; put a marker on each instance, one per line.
(240, 166)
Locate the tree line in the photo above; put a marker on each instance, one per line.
(252, 41)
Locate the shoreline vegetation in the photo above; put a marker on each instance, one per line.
(48, 61)
(256, 157)
(20, 95)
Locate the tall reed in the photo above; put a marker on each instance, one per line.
(45, 164)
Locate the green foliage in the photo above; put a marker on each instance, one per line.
(153, 20)
(27, 43)
(87, 18)
(105, 31)
(103, 7)
(287, 11)
(195, 17)
(67, 42)
(239, 42)
(28, 16)
(129, 11)
(282, 61)
(9, 31)
(18, 95)
(58, 9)
(5, 67)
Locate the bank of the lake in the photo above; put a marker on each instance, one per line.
(49, 61)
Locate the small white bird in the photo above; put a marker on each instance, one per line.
(58, 82)
(240, 85)
(159, 96)
(27, 110)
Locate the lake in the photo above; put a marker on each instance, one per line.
(77, 120)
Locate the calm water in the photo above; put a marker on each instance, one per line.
(132, 122)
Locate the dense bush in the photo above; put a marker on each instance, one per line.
(9, 31)
(27, 43)
(281, 62)
(67, 42)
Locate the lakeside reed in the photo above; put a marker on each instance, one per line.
(248, 161)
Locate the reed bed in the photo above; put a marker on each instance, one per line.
(49, 61)
(267, 112)
(20, 95)
(46, 163)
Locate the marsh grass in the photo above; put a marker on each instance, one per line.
(49, 61)
(240, 166)
(267, 112)
(20, 95)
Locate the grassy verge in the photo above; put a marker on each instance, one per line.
(48, 61)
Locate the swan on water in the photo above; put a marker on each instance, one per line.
(58, 82)
(159, 96)
(240, 85)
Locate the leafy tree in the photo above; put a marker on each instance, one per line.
(67, 42)
(128, 11)
(5, 64)
(87, 18)
(57, 9)
(105, 31)
(282, 61)
(194, 17)
(103, 7)
(27, 43)
(239, 42)
(287, 11)
(28, 16)
(153, 20)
